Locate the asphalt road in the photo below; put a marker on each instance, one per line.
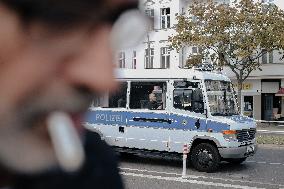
(264, 170)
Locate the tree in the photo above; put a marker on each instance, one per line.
(232, 35)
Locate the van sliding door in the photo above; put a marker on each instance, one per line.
(110, 119)
(148, 122)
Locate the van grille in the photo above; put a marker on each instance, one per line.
(246, 134)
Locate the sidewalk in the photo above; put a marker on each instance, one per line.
(270, 133)
(271, 126)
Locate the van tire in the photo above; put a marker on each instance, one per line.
(205, 157)
(126, 155)
(236, 161)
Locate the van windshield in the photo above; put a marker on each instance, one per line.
(221, 98)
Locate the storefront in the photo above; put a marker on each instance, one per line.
(251, 98)
(271, 104)
(263, 99)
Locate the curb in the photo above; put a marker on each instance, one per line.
(271, 145)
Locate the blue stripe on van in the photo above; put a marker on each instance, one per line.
(147, 115)
(217, 126)
(186, 122)
(154, 120)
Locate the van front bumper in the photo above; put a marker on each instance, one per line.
(238, 152)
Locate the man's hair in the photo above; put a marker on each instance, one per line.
(55, 12)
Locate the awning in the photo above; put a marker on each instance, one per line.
(280, 92)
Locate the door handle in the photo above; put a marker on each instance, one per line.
(140, 119)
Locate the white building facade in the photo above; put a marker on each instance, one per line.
(260, 89)
(153, 52)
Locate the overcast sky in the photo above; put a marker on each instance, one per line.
(279, 3)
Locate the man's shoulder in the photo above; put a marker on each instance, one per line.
(100, 170)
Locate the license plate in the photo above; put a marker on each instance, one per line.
(250, 149)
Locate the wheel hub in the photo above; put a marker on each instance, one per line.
(204, 158)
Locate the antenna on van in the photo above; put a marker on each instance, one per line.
(205, 66)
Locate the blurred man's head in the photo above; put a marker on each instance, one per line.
(54, 55)
(152, 97)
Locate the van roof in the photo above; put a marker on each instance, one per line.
(168, 74)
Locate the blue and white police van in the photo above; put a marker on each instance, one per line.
(193, 107)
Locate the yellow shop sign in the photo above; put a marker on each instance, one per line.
(246, 86)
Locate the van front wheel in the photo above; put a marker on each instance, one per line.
(205, 157)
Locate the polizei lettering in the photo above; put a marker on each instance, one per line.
(107, 117)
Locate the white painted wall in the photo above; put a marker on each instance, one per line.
(269, 87)
(269, 71)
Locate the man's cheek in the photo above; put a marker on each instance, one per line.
(23, 76)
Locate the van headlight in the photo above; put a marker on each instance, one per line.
(230, 135)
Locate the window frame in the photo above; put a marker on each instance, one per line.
(165, 19)
(149, 65)
(121, 60)
(151, 14)
(134, 59)
(165, 57)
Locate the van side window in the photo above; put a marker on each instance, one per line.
(100, 101)
(148, 95)
(117, 99)
(182, 99)
(188, 96)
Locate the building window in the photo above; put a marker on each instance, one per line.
(267, 1)
(134, 60)
(270, 55)
(165, 57)
(197, 50)
(122, 60)
(149, 58)
(264, 56)
(150, 14)
(194, 50)
(225, 2)
(165, 18)
(267, 57)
